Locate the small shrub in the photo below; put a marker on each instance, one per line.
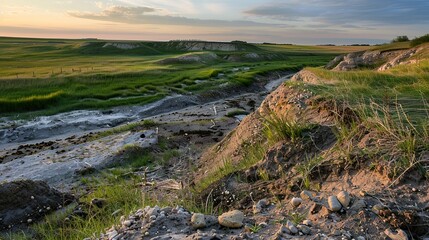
(400, 39)
(236, 113)
(420, 40)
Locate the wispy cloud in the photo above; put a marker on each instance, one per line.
(350, 12)
(148, 15)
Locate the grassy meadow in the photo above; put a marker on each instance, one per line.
(48, 76)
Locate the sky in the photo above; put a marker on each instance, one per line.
(279, 21)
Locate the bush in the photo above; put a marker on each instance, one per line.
(400, 39)
(420, 40)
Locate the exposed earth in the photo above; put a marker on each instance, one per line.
(303, 186)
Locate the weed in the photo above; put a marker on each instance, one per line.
(119, 194)
(307, 168)
(263, 174)
(279, 128)
(297, 218)
(255, 228)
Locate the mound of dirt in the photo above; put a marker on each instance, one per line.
(24, 202)
(321, 162)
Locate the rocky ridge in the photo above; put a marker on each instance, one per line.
(381, 60)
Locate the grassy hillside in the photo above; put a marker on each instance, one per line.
(55, 75)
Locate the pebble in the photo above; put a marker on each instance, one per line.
(153, 211)
(112, 234)
(344, 198)
(198, 220)
(283, 230)
(307, 222)
(360, 238)
(296, 201)
(377, 207)
(291, 227)
(127, 223)
(263, 224)
(358, 205)
(304, 229)
(399, 235)
(334, 204)
(258, 207)
(306, 195)
(98, 202)
(232, 219)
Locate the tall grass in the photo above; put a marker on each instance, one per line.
(278, 128)
(253, 154)
(120, 195)
(403, 139)
(30, 103)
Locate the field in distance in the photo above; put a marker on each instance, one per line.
(48, 76)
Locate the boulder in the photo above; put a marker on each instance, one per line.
(232, 219)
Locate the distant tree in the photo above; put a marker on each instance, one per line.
(400, 39)
(419, 40)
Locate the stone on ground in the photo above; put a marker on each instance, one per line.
(232, 219)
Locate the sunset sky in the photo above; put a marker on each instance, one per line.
(286, 21)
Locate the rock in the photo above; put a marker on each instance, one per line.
(304, 229)
(198, 220)
(283, 230)
(291, 227)
(307, 222)
(21, 200)
(399, 235)
(377, 208)
(263, 224)
(259, 206)
(153, 211)
(98, 202)
(232, 219)
(306, 195)
(127, 223)
(344, 198)
(334, 204)
(336, 233)
(358, 205)
(112, 234)
(211, 220)
(315, 208)
(360, 238)
(296, 201)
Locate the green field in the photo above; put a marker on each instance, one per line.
(48, 76)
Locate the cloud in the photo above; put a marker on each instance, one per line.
(148, 15)
(347, 12)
